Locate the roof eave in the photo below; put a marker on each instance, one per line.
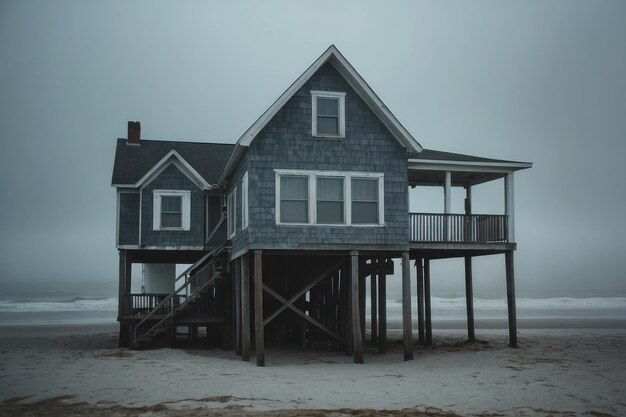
(442, 165)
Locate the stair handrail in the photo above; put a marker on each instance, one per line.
(170, 297)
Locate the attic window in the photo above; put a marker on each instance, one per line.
(328, 114)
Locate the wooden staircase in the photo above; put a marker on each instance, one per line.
(186, 304)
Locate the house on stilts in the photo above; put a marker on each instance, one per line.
(283, 228)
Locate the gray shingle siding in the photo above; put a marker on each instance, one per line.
(286, 143)
(128, 233)
(240, 240)
(172, 179)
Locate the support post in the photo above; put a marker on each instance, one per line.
(406, 307)
(245, 308)
(362, 294)
(258, 308)
(124, 288)
(429, 324)
(509, 206)
(510, 298)
(374, 305)
(356, 322)
(469, 300)
(468, 211)
(382, 307)
(420, 301)
(237, 268)
(447, 206)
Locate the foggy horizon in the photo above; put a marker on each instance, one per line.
(533, 81)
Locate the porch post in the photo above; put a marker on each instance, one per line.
(245, 309)
(258, 309)
(406, 307)
(447, 199)
(468, 212)
(510, 298)
(509, 206)
(356, 321)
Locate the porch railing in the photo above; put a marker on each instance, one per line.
(473, 228)
(142, 304)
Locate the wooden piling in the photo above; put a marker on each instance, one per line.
(510, 298)
(428, 317)
(382, 304)
(124, 338)
(420, 301)
(406, 308)
(357, 339)
(258, 308)
(238, 309)
(245, 308)
(373, 305)
(469, 300)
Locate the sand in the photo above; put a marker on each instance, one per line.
(553, 373)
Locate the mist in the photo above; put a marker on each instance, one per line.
(530, 81)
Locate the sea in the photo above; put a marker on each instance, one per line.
(96, 315)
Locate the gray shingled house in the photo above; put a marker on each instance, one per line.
(284, 228)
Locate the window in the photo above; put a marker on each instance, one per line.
(364, 201)
(330, 208)
(328, 114)
(232, 212)
(294, 199)
(244, 201)
(171, 210)
(329, 198)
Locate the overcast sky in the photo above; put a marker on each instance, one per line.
(531, 81)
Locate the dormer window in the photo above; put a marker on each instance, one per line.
(328, 114)
(171, 210)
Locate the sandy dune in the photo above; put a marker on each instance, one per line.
(556, 372)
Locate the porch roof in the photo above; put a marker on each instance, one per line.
(429, 168)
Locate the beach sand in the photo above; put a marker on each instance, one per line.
(553, 373)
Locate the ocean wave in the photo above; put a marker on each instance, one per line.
(75, 304)
(557, 303)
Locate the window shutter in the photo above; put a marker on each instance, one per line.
(156, 212)
(186, 209)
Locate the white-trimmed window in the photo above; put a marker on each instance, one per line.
(171, 210)
(364, 200)
(232, 212)
(329, 114)
(294, 199)
(244, 201)
(331, 198)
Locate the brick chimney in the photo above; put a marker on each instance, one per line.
(134, 133)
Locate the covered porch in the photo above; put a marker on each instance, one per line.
(446, 235)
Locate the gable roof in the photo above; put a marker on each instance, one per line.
(358, 84)
(202, 162)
